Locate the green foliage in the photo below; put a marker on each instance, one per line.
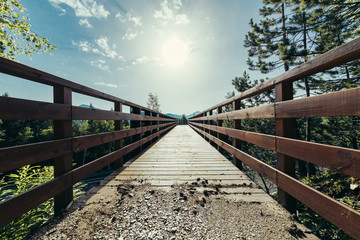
(16, 36)
(86, 127)
(20, 181)
(335, 185)
(153, 102)
(183, 120)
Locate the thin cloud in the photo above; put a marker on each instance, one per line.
(82, 8)
(144, 60)
(106, 84)
(85, 22)
(182, 19)
(131, 18)
(107, 51)
(101, 47)
(129, 35)
(100, 63)
(167, 13)
(84, 46)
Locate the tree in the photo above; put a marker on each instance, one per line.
(183, 120)
(153, 102)
(16, 36)
(270, 37)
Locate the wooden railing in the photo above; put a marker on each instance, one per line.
(146, 126)
(285, 110)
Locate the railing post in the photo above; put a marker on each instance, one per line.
(219, 123)
(237, 142)
(135, 124)
(285, 128)
(147, 123)
(154, 123)
(118, 143)
(63, 164)
(210, 123)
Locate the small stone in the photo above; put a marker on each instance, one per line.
(173, 230)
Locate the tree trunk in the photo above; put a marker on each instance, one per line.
(286, 64)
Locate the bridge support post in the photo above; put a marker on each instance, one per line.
(236, 142)
(210, 123)
(135, 124)
(219, 123)
(118, 143)
(63, 164)
(154, 123)
(147, 123)
(285, 128)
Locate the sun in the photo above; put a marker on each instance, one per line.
(175, 52)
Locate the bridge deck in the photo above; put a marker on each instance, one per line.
(180, 188)
(183, 157)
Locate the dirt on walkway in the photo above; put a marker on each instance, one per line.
(187, 211)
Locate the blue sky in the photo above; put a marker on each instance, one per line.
(118, 47)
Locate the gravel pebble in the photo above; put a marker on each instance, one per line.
(147, 212)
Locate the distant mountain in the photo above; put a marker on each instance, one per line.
(87, 106)
(180, 116)
(193, 114)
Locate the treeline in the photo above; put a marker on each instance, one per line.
(20, 132)
(290, 33)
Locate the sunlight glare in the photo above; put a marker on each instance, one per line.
(175, 52)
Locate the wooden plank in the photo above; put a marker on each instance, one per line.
(346, 218)
(263, 111)
(91, 167)
(118, 126)
(343, 160)
(335, 57)
(198, 173)
(340, 159)
(262, 140)
(122, 177)
(169, 182)
(14, 109)
(237, 125)
(83, 142)
(18, 156)
(341, 103)
(285, 128)
(81, 113)
(339, 214)
(62, 164)
(252, 162)
(22, 71)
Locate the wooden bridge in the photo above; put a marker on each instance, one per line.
(186, 156)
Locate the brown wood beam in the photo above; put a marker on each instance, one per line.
(285, 128)
(62, 164)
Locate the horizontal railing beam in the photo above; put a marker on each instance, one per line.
(343, 160)
(341, 215)
(22, 71)
(22, 203)
(325, 105)
(335, 57)
(18, 156)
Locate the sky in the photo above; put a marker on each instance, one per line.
(184, 51)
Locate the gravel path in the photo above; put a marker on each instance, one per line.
(180, 212)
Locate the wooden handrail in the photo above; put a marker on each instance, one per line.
(335, 57)
(144, 130)
(25, 72)
(284, 110)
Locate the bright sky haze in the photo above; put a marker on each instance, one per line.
(185, 51)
